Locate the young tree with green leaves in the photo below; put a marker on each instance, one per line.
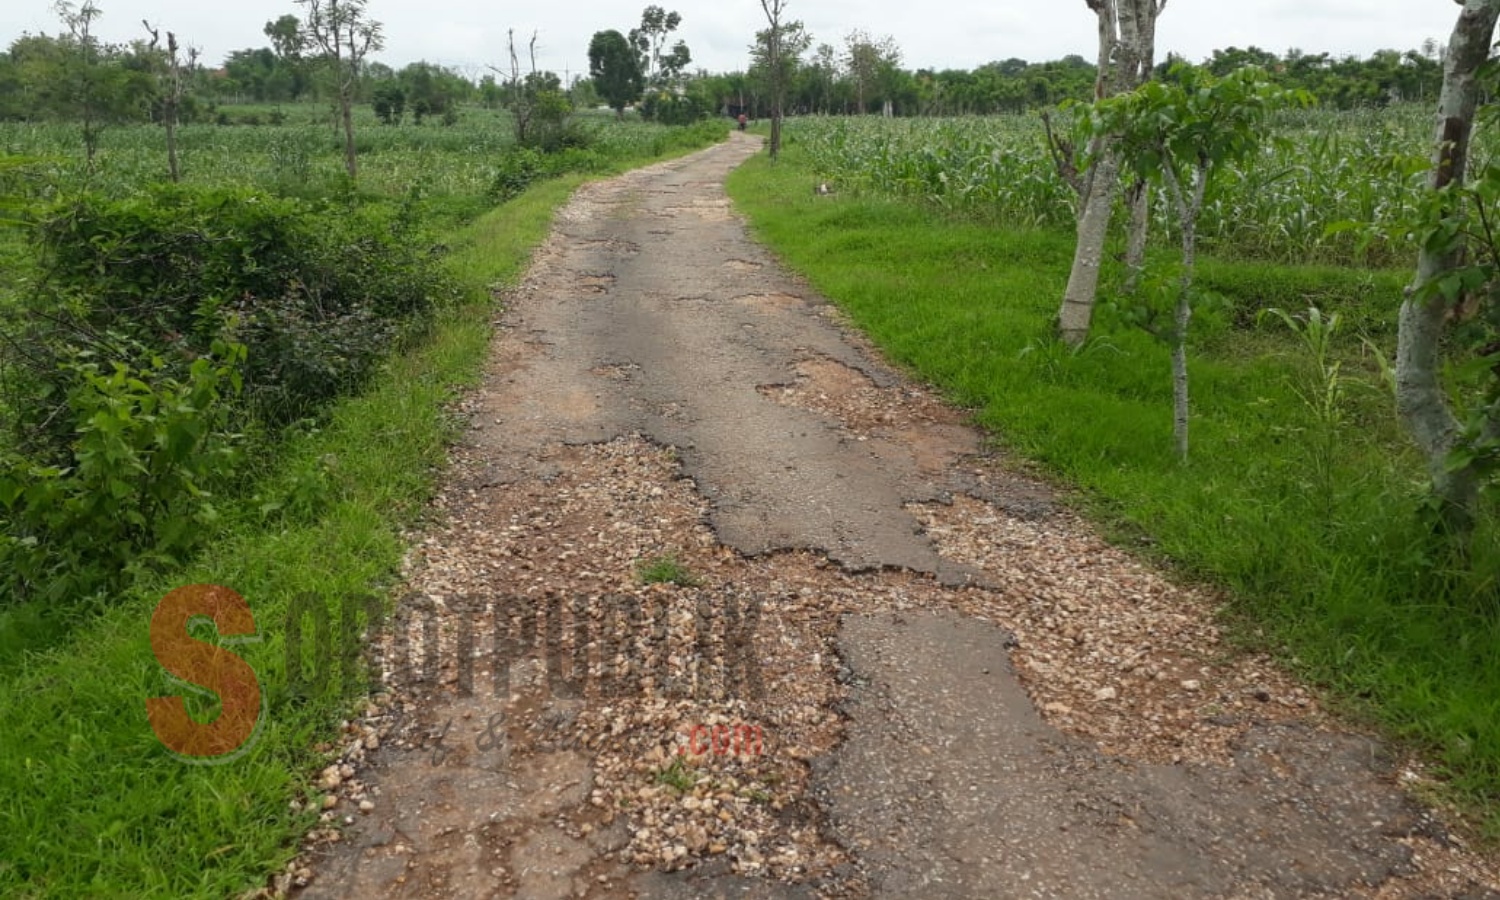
(1455, 290)
(867, 61)
(343, 34)
(388, 101)
(1180, 135)
(85, 73)
(775, 56)
(616, 70)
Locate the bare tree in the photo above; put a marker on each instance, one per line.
(171, 98)
(537, 102)
(343, 33)
(1428, 309)
(1127, 51)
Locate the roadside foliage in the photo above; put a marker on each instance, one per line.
(238, 379)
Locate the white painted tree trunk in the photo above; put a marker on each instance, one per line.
(1420, 396)
(1096, 207)
(1127, 48)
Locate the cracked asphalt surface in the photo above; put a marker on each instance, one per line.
(924, 768)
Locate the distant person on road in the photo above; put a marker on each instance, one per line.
(743, 121)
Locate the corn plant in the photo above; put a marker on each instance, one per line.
(1324, 394)
(1277, 204)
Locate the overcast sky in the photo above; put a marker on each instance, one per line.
(469, 34)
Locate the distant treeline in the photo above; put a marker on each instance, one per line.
(68, 77)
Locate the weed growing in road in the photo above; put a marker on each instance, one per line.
(677, 776)
(665, 569)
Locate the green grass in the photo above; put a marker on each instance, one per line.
(1321, 548)
(677, 776)
(91, 804)
(665, 569)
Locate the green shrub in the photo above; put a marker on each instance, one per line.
(316, 292)
(516, 170)
(135, 488)
(667, 108)
(168, 326)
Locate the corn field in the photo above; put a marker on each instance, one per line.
(1323, 168)
(305, 154)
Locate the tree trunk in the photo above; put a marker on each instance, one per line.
(1420, 397)
(347, 109)
(1139, 199)
(1188, 209)
(173, 101)
(778, 87)
(172, 167)
(1095, 209)
(1184, 315)
(1127, 46)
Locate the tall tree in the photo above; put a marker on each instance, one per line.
(343, 34)
(866, 60)
(287, 40)
(1127, 50)
(616, 70)
(78, 77)
(286, 37)
(86, 76)
(649, 41)
(776, 53)
(1458, 453)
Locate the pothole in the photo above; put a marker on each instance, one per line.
(616, 371)
(777, 301)
(595, 284)
(707, 210)
(617, 247)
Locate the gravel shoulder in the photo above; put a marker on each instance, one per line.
(715, 603)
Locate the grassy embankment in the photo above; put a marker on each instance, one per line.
(91, 804)
(1308, 519)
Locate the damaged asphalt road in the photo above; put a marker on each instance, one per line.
(963, 692)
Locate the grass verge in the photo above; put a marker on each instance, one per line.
(91, 803)
(1308, 519)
